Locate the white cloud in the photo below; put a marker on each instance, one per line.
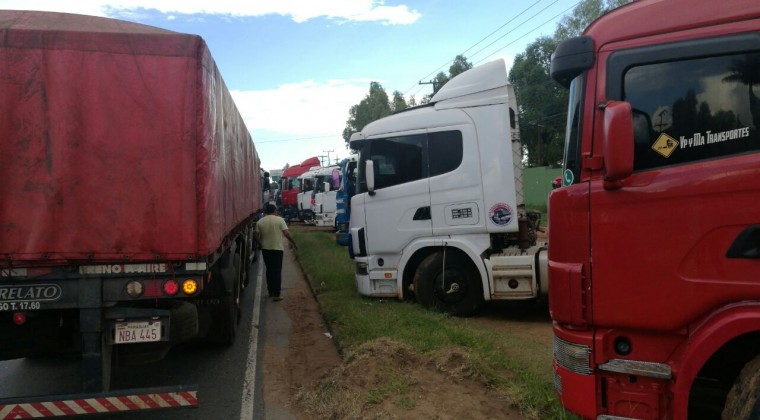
(301, 108)
(299, 120)
(298, 10)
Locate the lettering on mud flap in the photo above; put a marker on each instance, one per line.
(26, 298)
(45, 292)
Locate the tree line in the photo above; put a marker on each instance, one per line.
(542, 103)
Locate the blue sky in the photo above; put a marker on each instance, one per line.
(295, 67)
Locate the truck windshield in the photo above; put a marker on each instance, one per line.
(571, 169)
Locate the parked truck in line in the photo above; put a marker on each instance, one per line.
(290, 186)
(439, 211)
(346, 190)
(654, 237)
(130, 186)
(326, 184)
(305, 197)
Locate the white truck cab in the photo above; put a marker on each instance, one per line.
(439, 213)
(324, 206)
(304, 197)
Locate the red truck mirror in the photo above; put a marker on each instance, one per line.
(618, 141)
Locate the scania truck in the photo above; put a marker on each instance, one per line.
(346, 190)
(327, 181)
(305, 197)
(654, 237)
(438, 213)
(129, 187)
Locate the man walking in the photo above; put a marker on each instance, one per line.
(269, 232)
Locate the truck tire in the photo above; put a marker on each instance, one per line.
(457, 290)
(227, 313)
(743, 400)
(106, 362)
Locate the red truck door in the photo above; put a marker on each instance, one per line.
(661, 237)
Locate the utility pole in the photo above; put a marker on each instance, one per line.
(432, 82)
(539, 158)
(328, 156)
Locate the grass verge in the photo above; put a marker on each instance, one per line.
(513, 364)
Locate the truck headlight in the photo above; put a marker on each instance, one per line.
(573, 357)
(361, 269)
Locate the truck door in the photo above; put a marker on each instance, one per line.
(662, 237)
(456, 195)
(399, 211)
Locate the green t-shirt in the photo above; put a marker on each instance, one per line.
(270, 231)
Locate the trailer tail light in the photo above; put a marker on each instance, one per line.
(19, 318)
(189, 287)
(135, 288)
(171, 287)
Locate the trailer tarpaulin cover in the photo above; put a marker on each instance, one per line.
(117, 140)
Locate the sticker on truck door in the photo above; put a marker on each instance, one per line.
(500, 214)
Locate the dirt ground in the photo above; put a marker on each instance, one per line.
(383, 379)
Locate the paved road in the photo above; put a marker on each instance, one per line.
(223, 375)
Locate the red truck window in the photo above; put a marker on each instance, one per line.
(693, 109)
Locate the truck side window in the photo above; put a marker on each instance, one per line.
(572, 152)
(444, 151)
(694, 109)
(398, 160)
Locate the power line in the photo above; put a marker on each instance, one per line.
(515, 28)
(529, 32)
(501, 37)
(474, 45)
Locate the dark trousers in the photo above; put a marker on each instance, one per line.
(273, 263)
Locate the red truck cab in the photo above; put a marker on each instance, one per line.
(290, 186)
(654, 239)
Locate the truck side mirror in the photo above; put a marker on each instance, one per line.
(326, 186)
(618, 142)
(369, 170)
(335, 179)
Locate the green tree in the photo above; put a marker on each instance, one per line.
(460, 65)
(440, 79)
(399, 103)
(586, 12)
(374, 106)
(541, 103)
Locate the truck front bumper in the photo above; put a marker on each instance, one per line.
(375, 283)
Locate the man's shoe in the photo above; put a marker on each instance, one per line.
(276, 298)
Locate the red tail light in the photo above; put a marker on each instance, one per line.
(171, 287)
(19, 318)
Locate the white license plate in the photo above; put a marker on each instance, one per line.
(137, 332)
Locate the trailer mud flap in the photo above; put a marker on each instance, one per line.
(100, 403)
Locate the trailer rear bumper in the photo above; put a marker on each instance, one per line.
(100, 403)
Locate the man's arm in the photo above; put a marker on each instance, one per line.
(290, 238)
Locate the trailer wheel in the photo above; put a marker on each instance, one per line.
(227, 314)
(456, 290)
(743, 400)
(106, 362)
